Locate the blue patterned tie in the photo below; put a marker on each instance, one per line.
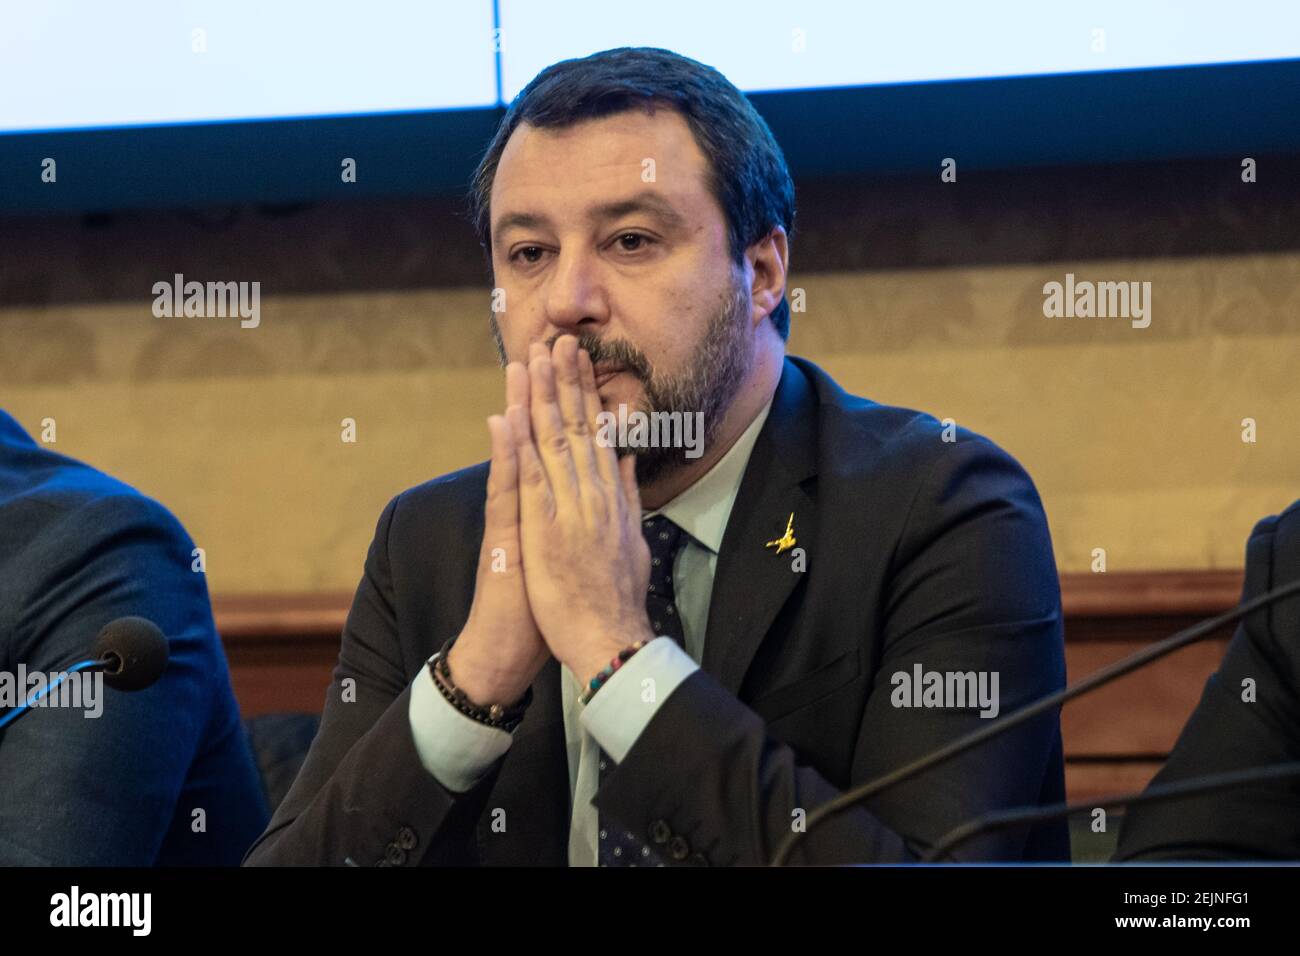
(618, 846)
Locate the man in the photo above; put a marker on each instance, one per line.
(157, 776)
(635, 211)
(1248, 717)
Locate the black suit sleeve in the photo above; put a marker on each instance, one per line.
(362, 793)
(972, 587)
(1248, 716)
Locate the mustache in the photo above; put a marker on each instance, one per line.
(618, 352)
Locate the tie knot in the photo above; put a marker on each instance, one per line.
(663, 537)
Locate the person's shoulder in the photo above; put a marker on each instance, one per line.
(461, 489)
(1283, 526)
(1273, 552)
(1273, 560)
(57, 497)
(448, 507)
(866, 435)
(80, 548)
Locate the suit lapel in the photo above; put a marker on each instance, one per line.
(751, 582)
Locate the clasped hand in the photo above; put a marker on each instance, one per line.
(564, 568)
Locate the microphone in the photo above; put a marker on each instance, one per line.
(1098, 679)
(131, 652)
(1021, 816)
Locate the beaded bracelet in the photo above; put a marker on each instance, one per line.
(600, 679)
(494, 715)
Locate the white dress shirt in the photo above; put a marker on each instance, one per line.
(459, 750)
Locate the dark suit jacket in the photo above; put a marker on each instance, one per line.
(1227, 733)
(79, 549)
(918, 550)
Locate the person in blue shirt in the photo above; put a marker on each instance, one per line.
(161, 776)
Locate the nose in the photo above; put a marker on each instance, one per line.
(576, 299)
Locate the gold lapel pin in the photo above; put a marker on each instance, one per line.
(787, 540)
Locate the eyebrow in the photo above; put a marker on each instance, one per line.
(647, 202)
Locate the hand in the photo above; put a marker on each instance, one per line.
(498, 654)
(587, 563)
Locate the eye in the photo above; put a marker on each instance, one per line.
(639, 241)
(526, 251)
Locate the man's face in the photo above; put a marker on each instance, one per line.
(638, 270)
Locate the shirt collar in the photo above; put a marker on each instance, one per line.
(702, 509)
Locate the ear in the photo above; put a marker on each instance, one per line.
(769, 258)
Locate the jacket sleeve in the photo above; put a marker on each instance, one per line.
(363, 797)
(972, 588)
(1248, 716)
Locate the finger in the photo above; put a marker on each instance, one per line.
(594, 493)
(549, 438)
(606, 455)
(501, 512)
(535, 351)
(536, 503)
(517, 384)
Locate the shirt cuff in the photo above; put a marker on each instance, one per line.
(455, 748)
(625, 703)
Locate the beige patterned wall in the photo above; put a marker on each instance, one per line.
(1132, 435)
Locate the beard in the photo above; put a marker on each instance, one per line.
(721, 360)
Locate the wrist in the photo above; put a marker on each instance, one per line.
(606, 674)
(502, 713)
(602, 659)
(483, 682)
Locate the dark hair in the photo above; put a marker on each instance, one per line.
(748, 174)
